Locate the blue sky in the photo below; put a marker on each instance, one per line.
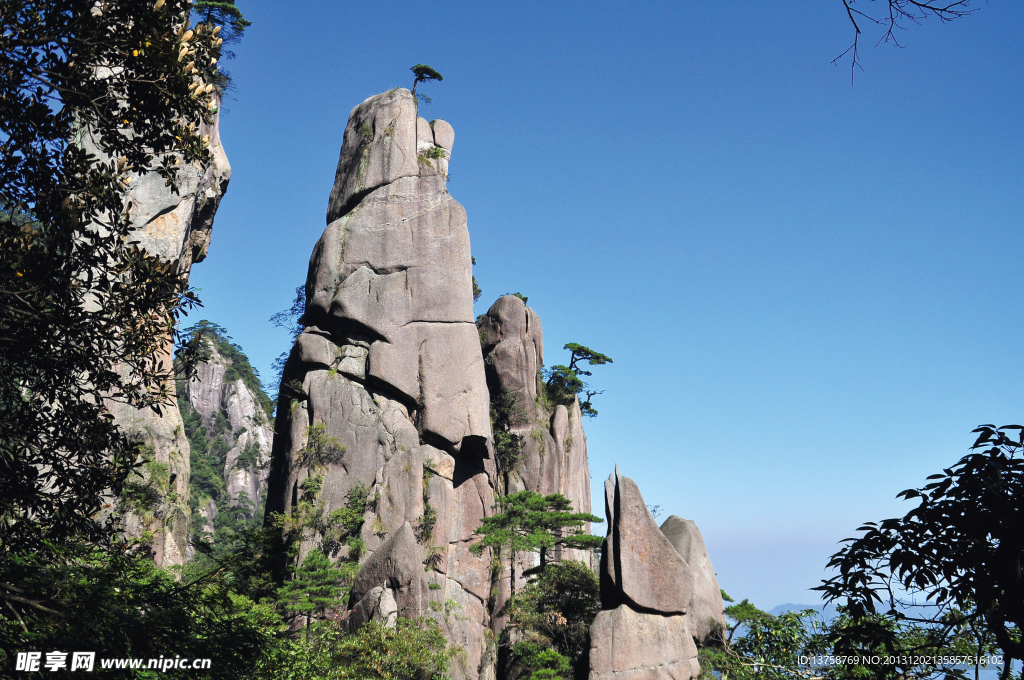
(811, 290)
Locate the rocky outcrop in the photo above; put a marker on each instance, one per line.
(553, 456)
(393, 574)
(656, 593)
(629, 645)
(706, 610)
(233, 423)
(389, 366)
(176, 226)
(639, 566)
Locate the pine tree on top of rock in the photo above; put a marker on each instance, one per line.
(423, 73)
(564, 382)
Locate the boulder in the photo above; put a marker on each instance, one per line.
(444, 134)
(396, 565)
(513, 343)
(424, 136)
(629, 645)
(642, 567)
(706, 610)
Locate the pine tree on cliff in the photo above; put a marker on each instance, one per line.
(529, 522)
(423, 73)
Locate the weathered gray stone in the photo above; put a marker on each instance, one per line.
(398, 566)
(377, 605)
(379, 147)
(513, 343)
(353, 362)
(424, 135)
(440, 367)
(642, 569)
(397, 377)
(400, 256)
(316, 350)
(442, 464)
(554, 448)
(401, 498)
(629, 645)
(352, 417)
(706, 610)
(245, 426)
(444, 134)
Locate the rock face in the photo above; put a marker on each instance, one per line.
(628, 645)
(226, 419)
(554, 446)
(656, 593)
(393, 574)
(390, 366)
(177, 227)
(706, 609)
(639, 566)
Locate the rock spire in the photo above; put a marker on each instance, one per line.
(389, 365)
(658, 593)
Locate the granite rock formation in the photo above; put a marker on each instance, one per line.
(655, 593)
(629, 645)
(227, 422)
(177, 227)
(389, 365)
(706, 610)
(554, 446)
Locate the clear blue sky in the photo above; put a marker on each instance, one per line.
(811, 291)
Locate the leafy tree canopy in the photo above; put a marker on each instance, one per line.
(554, 612)
(564, 382)
(85, 315)
(805, 645)
(224, 13)
(960, 550)
(529, 522)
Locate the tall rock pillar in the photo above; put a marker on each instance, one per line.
(554, 446)
(389, 364)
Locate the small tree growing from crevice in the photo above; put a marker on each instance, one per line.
(423, 73)
(506, 413)
(564, 382)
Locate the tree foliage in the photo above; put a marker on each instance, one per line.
(423, 73)
(806, 645)
(291, 320)
(529, 522)
(91, 95)
(553, 612)
(507, 414)
(960, 550)
(315, 588)
(564, 382)
(223, 13)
